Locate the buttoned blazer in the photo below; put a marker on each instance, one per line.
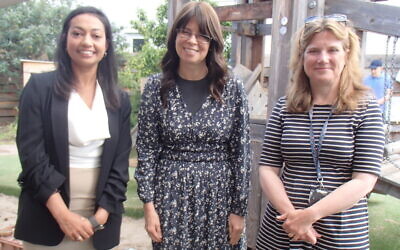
(42, 141)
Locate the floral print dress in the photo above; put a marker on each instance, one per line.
(194, 167)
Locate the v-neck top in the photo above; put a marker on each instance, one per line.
(194, 93)
(87, 130)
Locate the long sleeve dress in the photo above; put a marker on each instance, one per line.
(194, 167)
(353, 143)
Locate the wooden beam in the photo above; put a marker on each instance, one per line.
(5, 97)
(241, 12)
(248, 84)
(368, 16)
(8, 112)
(8, 104)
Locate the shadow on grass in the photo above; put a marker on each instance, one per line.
(375, 202)
(136, 213)
(12, 191)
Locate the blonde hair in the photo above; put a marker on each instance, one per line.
(351, 87)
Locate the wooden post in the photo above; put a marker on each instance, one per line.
(363, 42)
(236, 46)
(257, 50)
(280, 44)
(281, 35)
(174, 6)
(288, 16)
(255, 209)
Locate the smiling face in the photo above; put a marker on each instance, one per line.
(189, 50)
(324, 59)
(376, 72)
(86, 41)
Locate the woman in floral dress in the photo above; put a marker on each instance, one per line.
(193, 141)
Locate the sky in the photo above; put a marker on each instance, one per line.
(121, 12)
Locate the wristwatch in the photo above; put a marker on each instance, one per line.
(95, 224)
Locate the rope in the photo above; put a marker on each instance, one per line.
(392, 77)
(387, 108)
(385, 119)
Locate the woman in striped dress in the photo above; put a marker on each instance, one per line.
(326, 139)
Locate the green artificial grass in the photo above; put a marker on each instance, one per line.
(133, 206)
(384, 222)
(9, 170)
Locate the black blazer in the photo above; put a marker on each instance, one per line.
(42, 141)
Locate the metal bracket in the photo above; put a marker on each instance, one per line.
(250, 29)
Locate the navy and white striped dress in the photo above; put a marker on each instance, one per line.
(353, 143)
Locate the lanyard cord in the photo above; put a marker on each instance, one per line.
(315, 149)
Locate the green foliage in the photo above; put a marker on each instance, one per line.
(227, 40)
(147, 61)
(120, 43)
(138, 67)
(29, 31)
(154, 32)
(8, 132)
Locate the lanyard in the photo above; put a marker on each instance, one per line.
(315, 149)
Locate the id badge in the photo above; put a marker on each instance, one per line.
(316, 194)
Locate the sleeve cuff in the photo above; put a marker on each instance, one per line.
(46, 190)
(111, 207)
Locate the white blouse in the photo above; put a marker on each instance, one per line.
(87, 130)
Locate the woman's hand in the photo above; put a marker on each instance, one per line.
(101, 215)
(236, 226)
(298, 225)
(152, 222)
(75, 226)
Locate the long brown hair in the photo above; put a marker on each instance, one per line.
(209, 24)
(351, 88)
